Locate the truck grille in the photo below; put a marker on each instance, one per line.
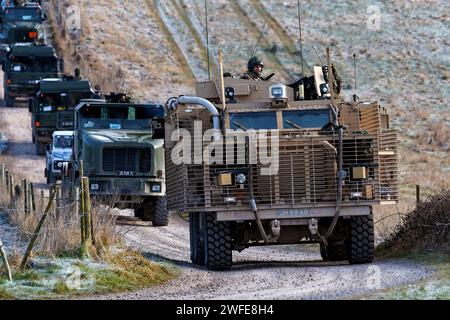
(22, 35)
(127, 159)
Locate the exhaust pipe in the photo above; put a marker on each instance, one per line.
(173, 103)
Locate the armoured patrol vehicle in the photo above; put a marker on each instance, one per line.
(120, 147)
(298, 164)
(24, 66)
(53, 107)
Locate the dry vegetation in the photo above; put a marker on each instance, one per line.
(60, 234)
(426, 228)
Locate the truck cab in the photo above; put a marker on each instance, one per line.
(24, 66)
(120, 147)
(53, 107)
(22, 24)
(58, 155)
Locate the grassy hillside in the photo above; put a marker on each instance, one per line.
(157, 49)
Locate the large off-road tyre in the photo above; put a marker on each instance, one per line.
(160, 212)
(217, 235)
(9, 102)
(360, 241)
(50, 179)
(197, 245)
(40, 149)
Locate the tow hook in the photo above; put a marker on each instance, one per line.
(313, 226)
(276, 229)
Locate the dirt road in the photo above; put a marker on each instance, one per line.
(20, 155)
(283, 272)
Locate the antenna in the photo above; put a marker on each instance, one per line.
(255, 48)
(207, 39)
(355, 97)
(300, 31)
(320, 60)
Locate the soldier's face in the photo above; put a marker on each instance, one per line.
(258, 69)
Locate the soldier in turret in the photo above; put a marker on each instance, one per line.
(255, 68)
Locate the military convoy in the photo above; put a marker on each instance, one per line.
(252, 162)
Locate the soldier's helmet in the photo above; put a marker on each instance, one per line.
(254, 61)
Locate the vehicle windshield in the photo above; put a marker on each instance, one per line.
(69, 100)
(299, 119)
(118, 118)
(253, 120)
(63, 142)
(33, 64)
(22, 14)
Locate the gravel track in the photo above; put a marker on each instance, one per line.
(283, 272)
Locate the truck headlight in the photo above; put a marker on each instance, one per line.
(94, 186)
(156, 187)
(278, 91)
(241, 178)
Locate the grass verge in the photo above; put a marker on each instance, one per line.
(436, 287)
(65, 278)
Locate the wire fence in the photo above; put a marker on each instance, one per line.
(58, 220)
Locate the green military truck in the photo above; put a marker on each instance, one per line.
(21, 24)
(24, 66)
(120, 147)
(53, 107)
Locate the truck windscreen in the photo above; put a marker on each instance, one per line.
(253, 120)
(117, 118)
(22, 14)
(33, 64)
(63, 142)
(55, 100)
(298, 119)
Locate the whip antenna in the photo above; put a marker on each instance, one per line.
(300, 31)
(207, 40)
(355, 97)
(255, 48)
(317, 54)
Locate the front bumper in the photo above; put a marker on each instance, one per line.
(112, 186)
(21, 90)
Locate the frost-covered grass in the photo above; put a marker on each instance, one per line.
(70, 278)
(436, 287)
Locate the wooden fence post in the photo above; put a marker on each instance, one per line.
(32, 198)
(26, 205)
(6, 182)
(42, 201)
(5, 261)
(87, 209)
(2, 175)
(82, 215)
(11, 188)
(417, 195)
(58, 202)
(38, 229)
